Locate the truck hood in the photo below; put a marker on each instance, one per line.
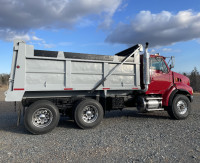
(179, 78)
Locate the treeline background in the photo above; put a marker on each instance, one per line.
(4, 78)
(194, 77)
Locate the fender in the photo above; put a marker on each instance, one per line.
(177, 88)
(187, 88)
(166, 96)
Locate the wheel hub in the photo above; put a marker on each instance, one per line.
(90, 114)
(182, 107)
(42, 117)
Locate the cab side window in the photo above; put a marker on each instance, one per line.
(158, 64)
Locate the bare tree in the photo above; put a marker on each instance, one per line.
(4, 78)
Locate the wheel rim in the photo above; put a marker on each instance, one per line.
(90, 114)
(42, 117)
(182, 107)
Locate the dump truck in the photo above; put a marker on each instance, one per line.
(50, 84)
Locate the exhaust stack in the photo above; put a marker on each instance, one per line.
(146, 67)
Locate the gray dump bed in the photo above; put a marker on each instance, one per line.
(45, 71)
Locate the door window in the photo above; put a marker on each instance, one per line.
(159, 65)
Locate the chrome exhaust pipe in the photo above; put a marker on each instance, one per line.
(146, 67)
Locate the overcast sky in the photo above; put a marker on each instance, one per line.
(103, 27)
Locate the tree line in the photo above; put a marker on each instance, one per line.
(194, 77)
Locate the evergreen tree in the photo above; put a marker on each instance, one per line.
(195, 80)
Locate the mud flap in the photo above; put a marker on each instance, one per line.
(18, 109)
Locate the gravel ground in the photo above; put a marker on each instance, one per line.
(121, 137)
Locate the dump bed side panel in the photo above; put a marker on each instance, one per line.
(77, 75)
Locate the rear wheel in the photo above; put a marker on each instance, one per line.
(180, 108)
(41, 117)
(88, 113)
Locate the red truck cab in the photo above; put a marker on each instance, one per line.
(167, 89)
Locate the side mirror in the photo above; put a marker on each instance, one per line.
(172, 62)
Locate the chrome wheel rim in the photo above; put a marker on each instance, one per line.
(42, 117)
(90, 114)
(182, 107)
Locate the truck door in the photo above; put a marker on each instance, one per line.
(160, 76)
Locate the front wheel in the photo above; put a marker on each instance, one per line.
(41, 117)
(180, 108)
(88, 113)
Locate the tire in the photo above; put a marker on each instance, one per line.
(75, 104)
(180, 108)
(41, 117)
(88, 113)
